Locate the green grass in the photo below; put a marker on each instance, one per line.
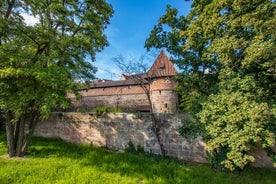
(55, 161)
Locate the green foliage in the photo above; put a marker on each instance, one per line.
(190, 128)
(217, 156)
(236, 119)
(99, 111)
(134, 149)
(40, 63)
(55, 161)
(131, 147)
(215, 39)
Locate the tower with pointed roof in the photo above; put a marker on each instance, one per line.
(163, 96)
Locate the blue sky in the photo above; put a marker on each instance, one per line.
(129, 27)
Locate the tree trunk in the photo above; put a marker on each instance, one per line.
(156, 130)
(20, 138)
(9, 134)
(31, 128)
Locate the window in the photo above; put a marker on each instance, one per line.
(166, 105)
(162, 67)
(159, 92)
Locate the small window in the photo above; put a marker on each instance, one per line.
(166, 105)
(162, 67)
(159, 92)
(129, 87)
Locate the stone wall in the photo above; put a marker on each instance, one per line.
(129, 97)
(116, 130)
(130, 102)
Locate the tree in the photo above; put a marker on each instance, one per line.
(195, 85)
(138, 72)
(39, 64)
(235, 39)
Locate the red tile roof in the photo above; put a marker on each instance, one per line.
(162, 67)
(114, 83)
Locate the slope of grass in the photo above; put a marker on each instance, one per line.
(55, 161)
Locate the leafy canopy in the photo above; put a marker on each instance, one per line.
(40, 63)
(226, 53)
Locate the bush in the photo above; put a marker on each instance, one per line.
(132, 149)
(101, 110)
(236, 120)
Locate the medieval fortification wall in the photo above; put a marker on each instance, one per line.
(131, 97)
(116, 130)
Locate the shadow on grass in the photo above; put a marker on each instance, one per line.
(147, 167)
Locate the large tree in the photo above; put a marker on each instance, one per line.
(40, 63)
(235, 41)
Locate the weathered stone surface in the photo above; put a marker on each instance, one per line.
(116, 130)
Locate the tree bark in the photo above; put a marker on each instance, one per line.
(156, 130)
(31, 128)
(10, 138)
(20, 138)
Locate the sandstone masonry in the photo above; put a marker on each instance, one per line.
(115, 130)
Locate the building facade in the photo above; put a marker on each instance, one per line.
(153, 90)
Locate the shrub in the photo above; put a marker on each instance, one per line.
(132, 149)
(236, 120)
(103, 109)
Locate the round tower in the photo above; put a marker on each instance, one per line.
(163, 96)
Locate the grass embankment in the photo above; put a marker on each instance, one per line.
(55, 161)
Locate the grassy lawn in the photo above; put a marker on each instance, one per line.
(55, 161)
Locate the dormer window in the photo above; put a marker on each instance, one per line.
(162, 67)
